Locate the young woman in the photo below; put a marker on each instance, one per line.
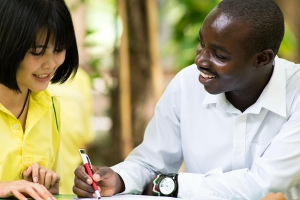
(37, 46)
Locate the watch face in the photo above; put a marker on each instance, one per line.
(166, 186)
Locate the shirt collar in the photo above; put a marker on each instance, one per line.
(44, 97)
(273, 97)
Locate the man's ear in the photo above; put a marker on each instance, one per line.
(264, 58)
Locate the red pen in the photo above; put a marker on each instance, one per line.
(88, 168)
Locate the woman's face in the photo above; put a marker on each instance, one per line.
(36, 69)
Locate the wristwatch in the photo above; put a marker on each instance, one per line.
(165, 185)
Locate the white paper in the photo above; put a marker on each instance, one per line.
(128, 197)
(137, 197)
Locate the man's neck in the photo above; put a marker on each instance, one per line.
(244, 99)
(241, 101)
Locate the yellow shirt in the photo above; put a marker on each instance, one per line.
(39, 143)
(76, 131)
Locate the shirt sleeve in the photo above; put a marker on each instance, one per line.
(160, 151)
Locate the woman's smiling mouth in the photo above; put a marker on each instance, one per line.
(41, 75)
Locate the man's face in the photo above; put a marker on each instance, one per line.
(221, 57)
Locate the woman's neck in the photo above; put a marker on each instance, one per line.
(12, 100)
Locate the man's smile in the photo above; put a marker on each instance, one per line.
(207, 75)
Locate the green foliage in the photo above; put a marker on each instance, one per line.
(186, 20)
(187, 16)
(288, 45)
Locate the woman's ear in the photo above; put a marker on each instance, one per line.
(264, 58)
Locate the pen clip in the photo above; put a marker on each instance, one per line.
(85, 158)
(89, 161)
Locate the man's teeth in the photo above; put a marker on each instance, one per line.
(41, 75)
(206, 75)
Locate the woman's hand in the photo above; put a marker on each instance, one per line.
(22, 189)
(43, 176)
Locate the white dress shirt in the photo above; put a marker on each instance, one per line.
(227, 153)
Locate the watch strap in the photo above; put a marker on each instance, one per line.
(158, 178)
(155, 186)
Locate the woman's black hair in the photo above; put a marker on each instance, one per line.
(20, 20)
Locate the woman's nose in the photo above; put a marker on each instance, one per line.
(50, 61)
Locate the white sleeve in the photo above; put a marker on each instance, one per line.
(160, 151)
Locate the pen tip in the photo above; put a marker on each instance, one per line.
(98, 194)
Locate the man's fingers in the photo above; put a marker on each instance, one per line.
(80, 171)
(83, 193)
(83, 185)
(96, 177)
(102, 173)
(81, 174)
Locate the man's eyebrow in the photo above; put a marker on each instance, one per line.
(215, 46)
(200, 35)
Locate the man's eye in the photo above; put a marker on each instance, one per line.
(201, 42)
(220, 56)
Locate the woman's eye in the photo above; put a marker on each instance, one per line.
(58, 51)
(35, 53)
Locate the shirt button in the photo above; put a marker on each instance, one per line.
(16, 126)
(24, 146)
(238, 151)
(241, 119)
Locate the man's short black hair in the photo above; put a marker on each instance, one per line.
(265, 20)
(20, 20)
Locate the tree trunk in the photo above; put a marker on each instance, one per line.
(144, 76)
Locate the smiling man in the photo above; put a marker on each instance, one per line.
(233, 117)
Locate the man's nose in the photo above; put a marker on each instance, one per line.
(202, 57)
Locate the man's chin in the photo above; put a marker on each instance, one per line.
(212, 91)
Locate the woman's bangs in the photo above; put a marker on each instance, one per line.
(41, 40)
(64, 36)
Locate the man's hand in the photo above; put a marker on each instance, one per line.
(43, 176)
(22, 189)
(149, 188)
(274, 196)
(108, 181)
